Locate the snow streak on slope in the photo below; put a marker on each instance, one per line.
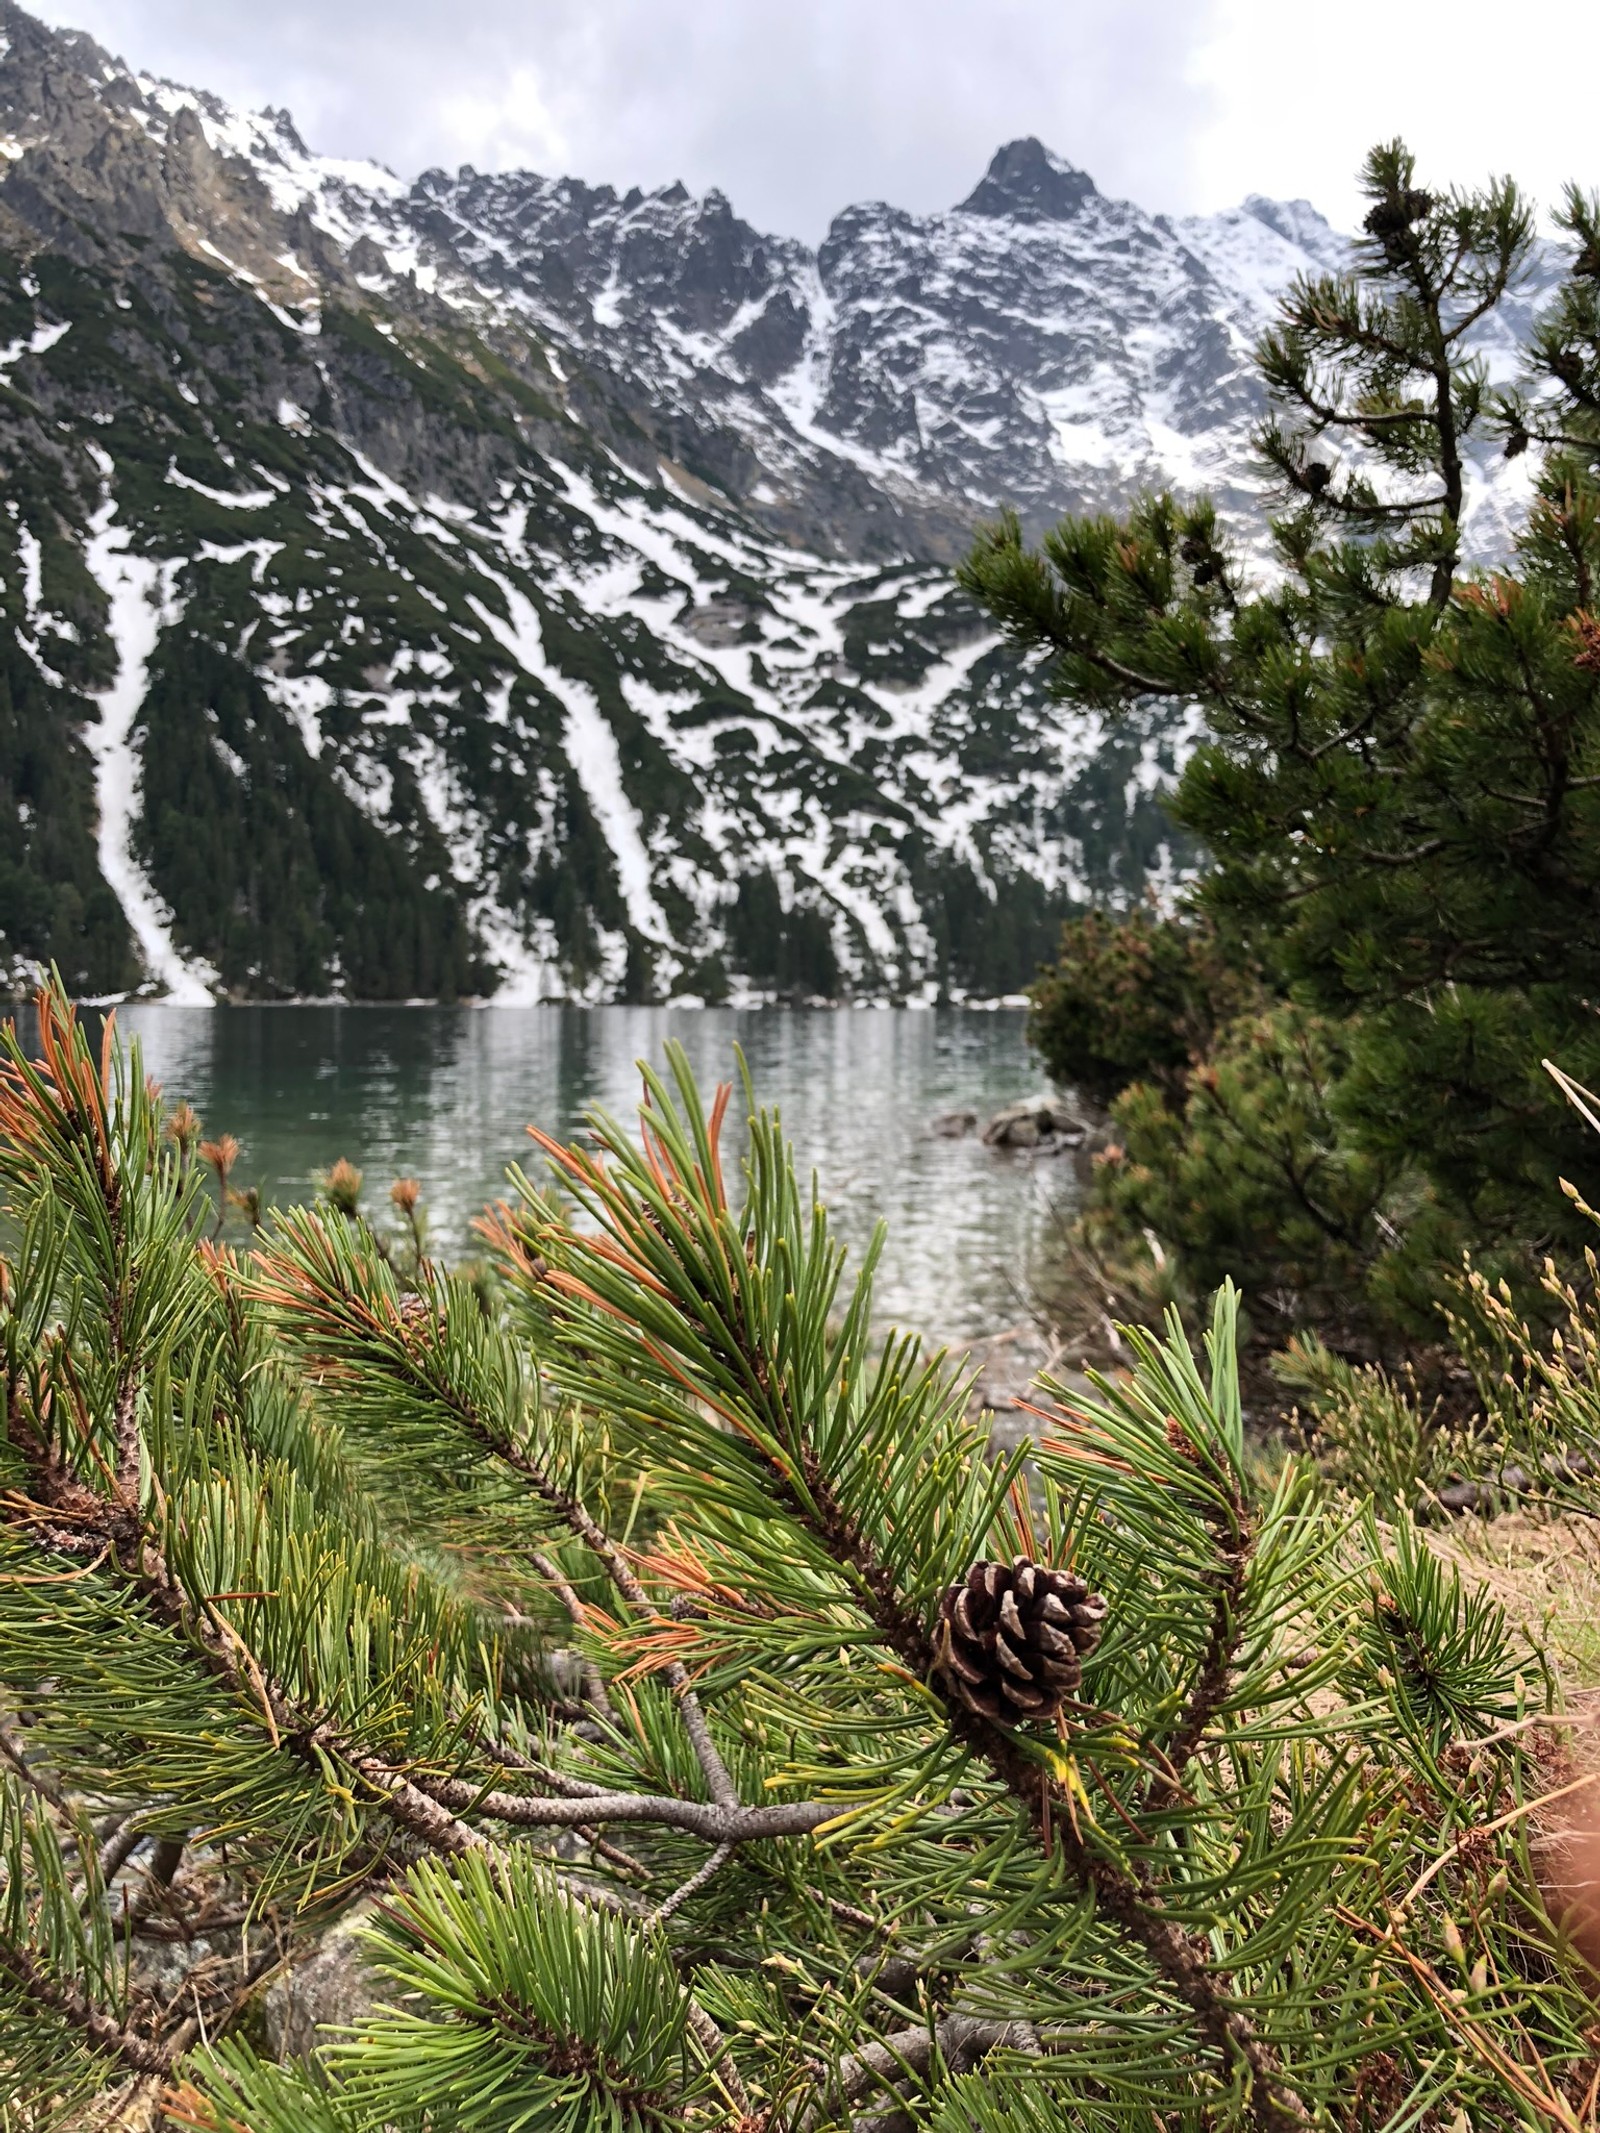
(592, 750)
(139, 592)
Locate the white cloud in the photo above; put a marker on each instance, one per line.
(796, 110)
(507, 128)
(1299, 93)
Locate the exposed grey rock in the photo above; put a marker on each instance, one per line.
(1041, 1124)
(953, 1125)
(1040, 344)
(1026, 183)
(333, 1985)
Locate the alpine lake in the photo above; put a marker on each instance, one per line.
(444, 1094)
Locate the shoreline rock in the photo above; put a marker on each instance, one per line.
(1042, 1125)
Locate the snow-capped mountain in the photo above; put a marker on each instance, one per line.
(497, 583)
(1040, 345)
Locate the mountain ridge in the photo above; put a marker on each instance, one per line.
(498, 585)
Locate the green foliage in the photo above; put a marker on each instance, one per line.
(1133, 999)
(1532, 1433)
(989, 937)
(536, 2011)
(55, 909)
(286, 1545)
(520, 2008)
(273, 874)
(787, 951)
(50, 1935)
(1250, 1172)
(1399, 787)
(1372, 1435)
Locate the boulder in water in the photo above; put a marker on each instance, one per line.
(953, 1125)
(1040, 1123)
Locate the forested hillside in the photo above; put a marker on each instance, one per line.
(503, 586)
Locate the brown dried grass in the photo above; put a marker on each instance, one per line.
(1544, 1569)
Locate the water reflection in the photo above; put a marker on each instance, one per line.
(444, 1094)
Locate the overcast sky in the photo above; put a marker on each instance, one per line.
(797, 107)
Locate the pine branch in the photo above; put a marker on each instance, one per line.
(1235, 1534)
(957, 2043)
(65, 1513)
(1127, 1900)
(705, 1873)
(311, 1276)
(113, 1528)
(62, 1996)
(668, 1238)
(430, 1810)
(718, 1823)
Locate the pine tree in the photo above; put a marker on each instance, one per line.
(1400, 791)
(288, 1547)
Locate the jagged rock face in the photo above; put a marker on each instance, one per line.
(1026, 183)
(1040, 345)
(494, 583)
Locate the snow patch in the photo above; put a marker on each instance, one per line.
(32, 570)
(38, 343)
(230, 499)
(140, 592)
(592, 750)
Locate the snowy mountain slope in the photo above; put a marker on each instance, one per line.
(1040, 345)
(494, 584)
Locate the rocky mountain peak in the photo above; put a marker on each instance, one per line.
(1299, 223)
(1026, 182)
(580, 555)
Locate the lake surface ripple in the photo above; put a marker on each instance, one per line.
(444, 1094)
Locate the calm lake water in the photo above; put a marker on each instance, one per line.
(443, 1094)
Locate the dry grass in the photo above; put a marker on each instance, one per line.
(1545, 1572)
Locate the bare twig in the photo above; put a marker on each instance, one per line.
(593, 1680)
(621, 1573)
(1480, 1830)
(712, 1866)
(259, 1967)
(118, 1849)
(702, 1818)
(958, 2042)
(14, 1751)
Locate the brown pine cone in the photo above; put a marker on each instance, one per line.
(1012, 1639)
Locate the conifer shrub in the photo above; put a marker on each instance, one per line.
(1245, 1171)
(1528, 1431)
(714, 1729)
(1396, 788)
